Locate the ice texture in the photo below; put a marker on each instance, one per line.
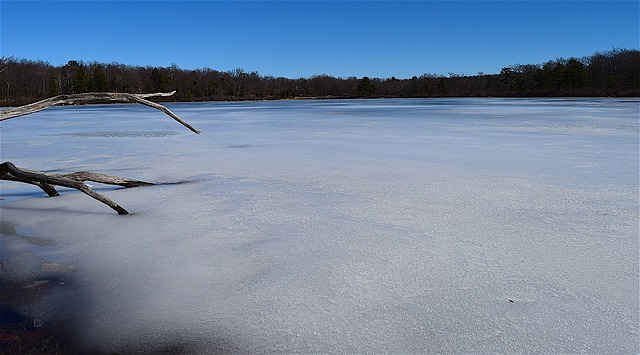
(354, 226)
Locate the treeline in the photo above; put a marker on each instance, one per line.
(613, 73)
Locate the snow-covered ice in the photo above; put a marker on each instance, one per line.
(404, 226)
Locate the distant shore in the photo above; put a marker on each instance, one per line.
(615, 73)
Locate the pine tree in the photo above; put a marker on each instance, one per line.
(365, 87)
(80, 81)
(575, 75)
(99, 82)
(161, 80)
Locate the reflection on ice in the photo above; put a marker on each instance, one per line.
(406, 226)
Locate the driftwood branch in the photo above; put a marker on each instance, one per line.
(91, 97)
(48, 181)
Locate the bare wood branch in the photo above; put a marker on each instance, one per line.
(46, 181)
(48, 189)
(90, 97)
(104, 179)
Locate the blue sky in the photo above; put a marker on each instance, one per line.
(305, 38)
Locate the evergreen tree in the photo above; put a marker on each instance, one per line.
(365, 87)
(558, 74)
(442, 86)
(161, 80)
(156, 76)
(80, 81)
(507, 78)
(99, 82)
(414, 86)
(544, 76)
(575, 74)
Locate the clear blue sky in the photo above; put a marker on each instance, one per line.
(304, 38)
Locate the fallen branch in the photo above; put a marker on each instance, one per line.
(90, 97)
(48, 181)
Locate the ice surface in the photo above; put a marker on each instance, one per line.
(404, 226)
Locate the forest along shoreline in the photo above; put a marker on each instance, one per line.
(615, 73)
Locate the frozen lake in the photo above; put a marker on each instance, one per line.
(404, 226)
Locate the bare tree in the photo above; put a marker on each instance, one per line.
(2, 61)
(47, 181)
